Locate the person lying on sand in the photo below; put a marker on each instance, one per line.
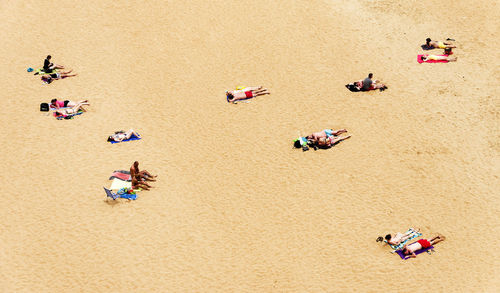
(49, 78)
(48, 66)
(399, 237)
(322, 139)
(122, 135)
(55, 103)
(141, 175)
(325, 133)
(73, 110)
(437, 44)
(246, 93)
(409, 249)
(436, 57)
(328, 142)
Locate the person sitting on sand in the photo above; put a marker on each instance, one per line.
(55, 103)
(48, 66)
(73, 110)
(141, 175)
(409, 249)
(374, 85)
(438, 44)
(122, 135)
(399, 237)
(437, 57)
(136, 183)
(246, 93)
(49, 78)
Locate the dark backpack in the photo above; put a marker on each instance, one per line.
(44, 107)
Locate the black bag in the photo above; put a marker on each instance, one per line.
(44, 107)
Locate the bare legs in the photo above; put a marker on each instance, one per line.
(437, 239)
(56, 66)
(67, 74)
(339, 139)
(130, 133)
(260, 92)
(140, 184)
(340, 131)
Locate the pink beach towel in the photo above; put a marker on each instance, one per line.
(419, 60)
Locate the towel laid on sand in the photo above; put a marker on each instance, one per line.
(117, 184)
(39, 71)
(414, 234)
(121, 175)
(133, 137)
(405, 257)
(419, 60)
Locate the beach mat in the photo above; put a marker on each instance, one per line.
(40, 71)
(133, 137)
(405, 257)
(117, 184)
(419, 60)
(121, 175)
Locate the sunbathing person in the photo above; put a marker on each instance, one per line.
(136, 184)
(141, 175)
(70, 111)
(48, 66)
(438, 44)
(328, 142)
(55, 103)
(325, 133)
(373, 86)
(437, 57)
(399, 237)
(122, 135)
(246, 93)
(409, 249)
(49, 78)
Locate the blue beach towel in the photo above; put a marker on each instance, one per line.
(414, 234)
(133, 137)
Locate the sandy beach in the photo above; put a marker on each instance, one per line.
(235, 208)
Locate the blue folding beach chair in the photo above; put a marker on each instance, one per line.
(109, 193)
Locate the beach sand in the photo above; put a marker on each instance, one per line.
(235, 208)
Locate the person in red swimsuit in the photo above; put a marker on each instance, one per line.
(410, 249)
(246, 93)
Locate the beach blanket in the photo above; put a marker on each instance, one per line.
(133, 137)
(414, 234)
(405, 257)
(121, 175)
(419, 60)
(352, 87)
(39, 71)
(117, 184)
(70, 116)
